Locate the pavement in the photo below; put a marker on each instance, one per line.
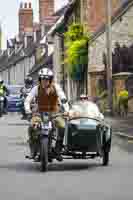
(122, 127)
(21, 179)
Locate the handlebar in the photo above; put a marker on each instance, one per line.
(52, 116)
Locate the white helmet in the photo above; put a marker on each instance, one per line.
(46, 73)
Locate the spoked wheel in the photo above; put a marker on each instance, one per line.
(44, 154)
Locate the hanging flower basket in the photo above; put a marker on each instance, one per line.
(76, 42)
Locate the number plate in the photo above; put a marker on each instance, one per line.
(46, 126)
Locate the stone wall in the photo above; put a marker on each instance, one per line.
(95, 77)
(122, 32)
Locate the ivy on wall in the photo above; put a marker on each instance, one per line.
(76, 55)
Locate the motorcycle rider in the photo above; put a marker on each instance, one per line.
(4, 92)
(83, 97)
(91, 107)
(27, 87)
(24, 91)
(49, 97)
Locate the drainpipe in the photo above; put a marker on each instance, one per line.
(109, 54)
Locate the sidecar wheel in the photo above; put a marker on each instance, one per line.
(44, 154)
(105, 158)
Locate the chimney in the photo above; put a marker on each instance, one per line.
(21, 5)
(25, 18)
(25, 5)
(30, 6)
(46, 9)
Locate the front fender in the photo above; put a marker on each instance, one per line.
(108, 133)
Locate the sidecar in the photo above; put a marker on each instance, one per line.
(87, 137)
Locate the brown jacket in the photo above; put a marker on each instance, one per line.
(47, 102)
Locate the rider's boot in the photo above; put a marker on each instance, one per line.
(24, 116)
(31, 155)
(59, 144)
(58, 151)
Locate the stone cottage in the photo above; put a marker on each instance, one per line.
(122, 34)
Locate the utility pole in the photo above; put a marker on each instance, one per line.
(108, 4)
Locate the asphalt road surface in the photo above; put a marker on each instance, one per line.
(20, 179)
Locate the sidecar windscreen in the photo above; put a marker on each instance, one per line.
(85, 109)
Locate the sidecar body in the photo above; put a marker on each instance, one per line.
(87, 137)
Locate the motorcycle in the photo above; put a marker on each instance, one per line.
(84, 138)
(23, 97)
(1, 105)
(40, 138)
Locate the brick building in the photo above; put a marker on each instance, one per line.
(121, 33)
(46, 9)
(93, 12)
(46, 17)
(25, 18)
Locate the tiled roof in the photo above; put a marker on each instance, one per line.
(7, 61)
(3, 60)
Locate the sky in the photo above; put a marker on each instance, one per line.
(9, 16)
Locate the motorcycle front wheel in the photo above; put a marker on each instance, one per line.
(1, 109)
(44, 154)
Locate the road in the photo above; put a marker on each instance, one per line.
(20, 179)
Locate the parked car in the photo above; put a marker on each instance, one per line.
(15, 102)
